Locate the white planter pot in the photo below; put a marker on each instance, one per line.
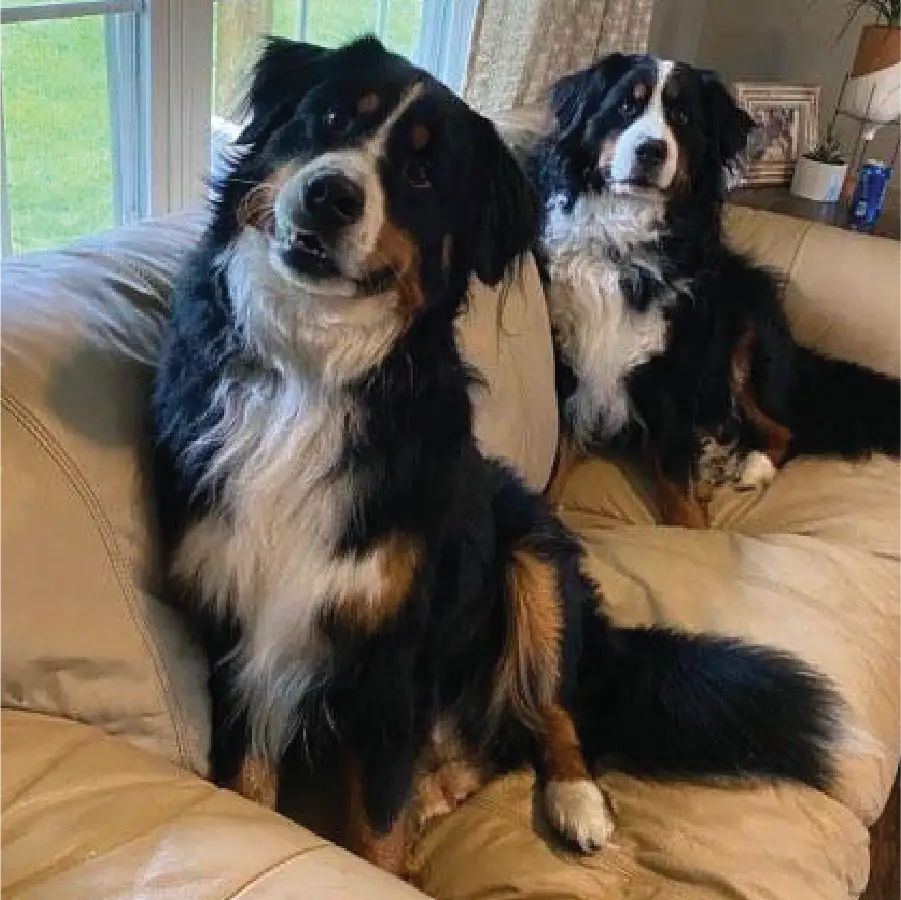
(818, 181)
(873, 93)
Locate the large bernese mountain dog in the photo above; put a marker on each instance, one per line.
(668, 341)
(368, 585)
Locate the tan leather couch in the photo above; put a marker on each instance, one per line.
(104, 711)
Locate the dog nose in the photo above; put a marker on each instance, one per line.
(332, 200)
(651, 154)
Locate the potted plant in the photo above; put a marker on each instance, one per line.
(819, 174)
(871, 92)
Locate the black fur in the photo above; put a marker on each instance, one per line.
(662, 703)
(830, 406)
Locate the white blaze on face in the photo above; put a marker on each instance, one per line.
(651, 125)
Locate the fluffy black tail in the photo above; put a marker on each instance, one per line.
(843, 409)
(661, 703)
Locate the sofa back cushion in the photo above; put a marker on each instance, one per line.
(842, 287)
(85, 635)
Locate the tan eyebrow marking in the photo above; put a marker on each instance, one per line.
(640, 91)
(368, 103)
(419, 136)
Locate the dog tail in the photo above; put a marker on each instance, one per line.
(843, 409)
(664, 704)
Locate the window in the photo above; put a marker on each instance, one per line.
(110, 108)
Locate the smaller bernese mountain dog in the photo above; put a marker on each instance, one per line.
(668, 341)
(369, 587)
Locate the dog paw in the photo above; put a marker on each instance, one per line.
(758, 471)
(578, 810)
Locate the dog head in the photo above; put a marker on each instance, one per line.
(363, 177)
(640, 125)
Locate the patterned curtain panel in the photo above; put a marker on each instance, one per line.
(519, 47)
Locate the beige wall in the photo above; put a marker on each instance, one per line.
(793, 41)
(676, 27)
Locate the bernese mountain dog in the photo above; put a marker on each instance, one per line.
(368, 585)
(668, 341)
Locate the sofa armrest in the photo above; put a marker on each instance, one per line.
(86, 815)
(843, 288)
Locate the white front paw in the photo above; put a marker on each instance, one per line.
(758, 470)
(579, 811)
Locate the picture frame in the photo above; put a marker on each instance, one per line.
(788, 116)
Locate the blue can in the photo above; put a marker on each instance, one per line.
(869, 195)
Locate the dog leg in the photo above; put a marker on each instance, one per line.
(761, 465)
(447, 775)
(575, 804)
(374, 831)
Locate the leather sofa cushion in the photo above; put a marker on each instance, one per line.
(86, 816)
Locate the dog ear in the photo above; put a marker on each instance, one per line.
(728, 125)
(570, 96)
(281, 76)
(508, 215)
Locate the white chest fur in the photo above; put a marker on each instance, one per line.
(602, 338)
(269, 554)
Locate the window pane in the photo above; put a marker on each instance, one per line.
(56, 125)
(404, 18)
(7, 3)
(332, 22)
(239, 24)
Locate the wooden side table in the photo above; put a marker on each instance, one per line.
(778, 199)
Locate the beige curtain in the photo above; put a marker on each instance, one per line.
(519, 47)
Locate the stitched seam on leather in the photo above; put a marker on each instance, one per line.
(275, 867)
(77, 481)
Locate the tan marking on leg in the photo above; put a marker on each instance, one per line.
(529, 667)
(575, 804)
(386, 850)
(776, 438)
(257, 780)
(563, 760)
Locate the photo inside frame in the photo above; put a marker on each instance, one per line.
(780, 130)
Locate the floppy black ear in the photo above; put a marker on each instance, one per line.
(570, 96)
(282, 75)
(508, 216)
(729, 126)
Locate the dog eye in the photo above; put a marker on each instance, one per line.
(627, 107)
(336, 120)
(680, 116)
(416, 172)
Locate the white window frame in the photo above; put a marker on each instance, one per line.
(159, 59)
(179, 45)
